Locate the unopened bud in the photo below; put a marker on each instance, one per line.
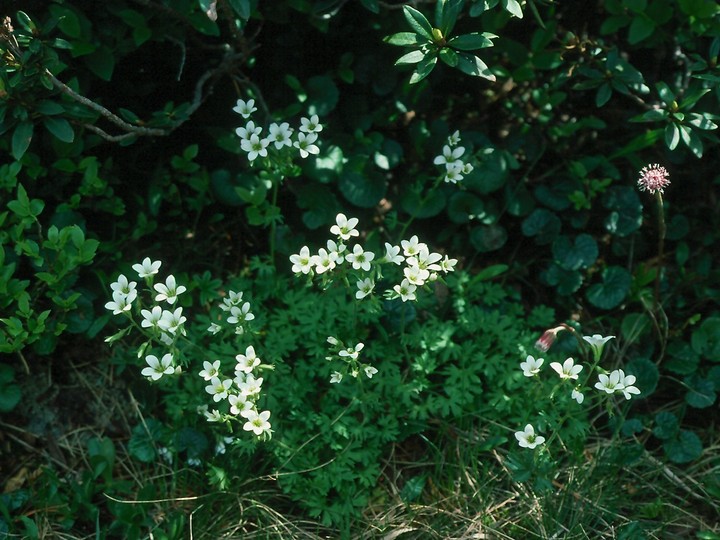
(548, 338)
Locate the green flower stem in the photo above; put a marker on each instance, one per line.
(273, 224)
(661, 247)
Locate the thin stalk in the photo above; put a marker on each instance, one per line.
(661, 247)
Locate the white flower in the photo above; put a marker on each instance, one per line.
(597, 342)
(568, 370)
(392, 254)
(302, 262)
(151, 318)
(467, 169)
(213, 416)
(170, 321)
(214, 328)
(427, 260)
(311, 125)
(257, 422)
(531, 366)
(360, 259)
(336, 250)
(251, 385)
(344, 227)
(447, 264)
(577, 395)
(352, 352)
(239, 404)
(280, 134)
(147, 268)
(306, 144)
(629, 389)
(210, 370)
(255, 146)
(248, 361)
(157, 368)
(245, 108)
(124, 286)
(218, 389)
(336, 377)
(370, 371)
(610, 383)
(454, 139)
(405, 290)
(628, 381)
(169, 290)
(414, 274)
(332, 341)
(449, 155)
(413, 246)
(239, 315)
(528, 438)
(453, 173)
(323, 261)
(233, 299)
(248, 131)
(120, 302)
(365, 287)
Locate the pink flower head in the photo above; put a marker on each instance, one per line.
(653, 178)
(548, 338)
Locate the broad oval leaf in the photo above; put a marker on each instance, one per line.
(470, 42)
(613, 290)
(21, 139)
(404, 39)
(413, 57)
(60, 128)
(685, 448)
(423, 70)
(418, 22)
(472, 65)
(701, 392)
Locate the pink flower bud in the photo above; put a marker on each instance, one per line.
(548, 338)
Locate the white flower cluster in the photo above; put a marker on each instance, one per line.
(350, 356)
(238, 313)
(241, 392)
(163, 324)
(278, 135)
(421, 265)
(615, 381)
(455, 168)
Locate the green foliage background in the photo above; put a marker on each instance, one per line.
(119, 143)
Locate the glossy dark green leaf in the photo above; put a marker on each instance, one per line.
(575, 255)
(700, 392)
(405, 39)
(60, 128)
(423, 69)
(543, 224)
(613, 290)
(418, 22)
(641, 28)
(423, 207)
(488, 237)
(705, 339)
(412, 57)
(363, 190)
(672, 136)
(646, 373)
(472, 65)
(667, 425)
(21, 139)
(685, 448)
(470, 42)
